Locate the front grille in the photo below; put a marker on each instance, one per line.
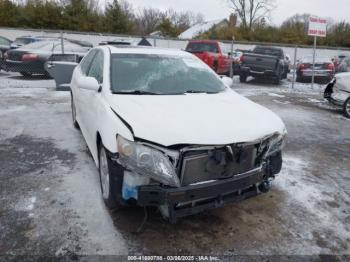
(218, 163)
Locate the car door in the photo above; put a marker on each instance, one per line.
(91, 99)
(78, 93)
(226, 60)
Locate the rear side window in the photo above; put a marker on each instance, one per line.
(86, 62)
(96, 68)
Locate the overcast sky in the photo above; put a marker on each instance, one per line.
(215, 9)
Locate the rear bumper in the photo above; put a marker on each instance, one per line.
(193, 199)
(249, 72)
(35, 67)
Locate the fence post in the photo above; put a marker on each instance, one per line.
(62, 44)
(231, 56)
(313, 63)
(295, 65)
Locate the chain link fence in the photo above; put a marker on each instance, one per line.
(34, 59)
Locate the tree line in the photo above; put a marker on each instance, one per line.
(119, 17)
(292, 31)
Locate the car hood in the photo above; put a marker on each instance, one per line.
(199, 119)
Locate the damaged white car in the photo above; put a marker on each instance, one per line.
(165, 131)
(338, 92)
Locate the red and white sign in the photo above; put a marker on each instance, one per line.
(317, 26)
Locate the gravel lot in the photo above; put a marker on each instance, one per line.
(50, 201)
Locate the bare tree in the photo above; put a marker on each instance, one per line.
(148, 19)
(252, 12)
(184, 20)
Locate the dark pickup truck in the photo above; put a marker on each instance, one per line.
(264, 62)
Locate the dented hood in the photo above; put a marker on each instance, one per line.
(201, 119)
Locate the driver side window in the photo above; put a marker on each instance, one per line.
(86, 62)
(96, 68)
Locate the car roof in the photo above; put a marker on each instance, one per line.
(204, 41)
(123, 49)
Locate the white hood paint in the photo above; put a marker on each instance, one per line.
(201, 119)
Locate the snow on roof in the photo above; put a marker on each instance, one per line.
(199, 28)
(148, 51)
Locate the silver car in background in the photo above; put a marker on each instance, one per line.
(338, 92)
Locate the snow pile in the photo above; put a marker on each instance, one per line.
(198, 29)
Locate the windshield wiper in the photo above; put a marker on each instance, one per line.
(198, 92)
(135, 92)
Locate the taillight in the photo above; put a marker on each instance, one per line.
(242, 58)
(29, 57)
(304, 66)
(330, 66)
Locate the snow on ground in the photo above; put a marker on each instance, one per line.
(50, 199)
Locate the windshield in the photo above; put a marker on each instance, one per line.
(202, 47)
(163, 75)
(23, 41)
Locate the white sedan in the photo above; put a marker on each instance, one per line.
(165, 131)
(338, 92)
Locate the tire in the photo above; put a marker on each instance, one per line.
(215, 66)
(111, 179)
(74, 113)
(285, 75)
(277, 79)
(26, 74)
(243, 78)
(346, 108)
(47, 75)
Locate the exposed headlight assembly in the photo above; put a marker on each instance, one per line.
(146, 161)
(277, 143)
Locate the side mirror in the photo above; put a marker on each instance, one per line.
(88, 83)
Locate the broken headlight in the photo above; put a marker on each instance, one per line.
(276, 142)
(146, 161)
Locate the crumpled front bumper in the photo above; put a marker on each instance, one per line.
(192, 199)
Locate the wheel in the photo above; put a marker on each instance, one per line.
(277, 79)
(285, 75)
(346, 108)
(243, 78)
(47, 75)
(215, 66)
(74, 112)
(26, 74)
(111, 180)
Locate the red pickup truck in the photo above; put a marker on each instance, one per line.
(213, 53)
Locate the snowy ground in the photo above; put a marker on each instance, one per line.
(50, 201)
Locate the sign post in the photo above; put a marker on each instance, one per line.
(231, 56)
(317, 28)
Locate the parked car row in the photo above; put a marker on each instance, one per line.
(28, 54)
